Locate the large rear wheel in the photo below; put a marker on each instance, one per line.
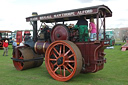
(63, 60)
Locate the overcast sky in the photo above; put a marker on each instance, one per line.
(14, 12)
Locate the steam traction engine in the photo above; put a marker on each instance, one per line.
(67, 51)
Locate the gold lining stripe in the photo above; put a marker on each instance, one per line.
(35, 47)
(44, 47)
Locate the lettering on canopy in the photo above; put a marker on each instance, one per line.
(62, 15)
(34, 19)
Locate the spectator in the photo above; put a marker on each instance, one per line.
(5, 45)
(14, 44)
(124, 38)
(22, 43)
(92, 29)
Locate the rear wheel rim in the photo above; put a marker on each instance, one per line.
(61, 60)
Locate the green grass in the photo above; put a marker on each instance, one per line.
(115, 72)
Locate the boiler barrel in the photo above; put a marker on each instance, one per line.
(40, 47)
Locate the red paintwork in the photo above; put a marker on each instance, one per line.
(93, 54)
(124, 47)
(17, 65)
(19, 37)
(59, 32)
(26, 32)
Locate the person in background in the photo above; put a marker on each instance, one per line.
(124, 38)
(14, 44)
(92, 29)
(5, 45)
(22, 43)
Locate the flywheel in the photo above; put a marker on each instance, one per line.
(59, 32)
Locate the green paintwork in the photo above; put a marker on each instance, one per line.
(83, 32)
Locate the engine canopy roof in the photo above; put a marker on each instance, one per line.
(70, 15)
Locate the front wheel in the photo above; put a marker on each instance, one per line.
(63, 60)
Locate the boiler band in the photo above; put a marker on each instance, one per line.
(40, 47)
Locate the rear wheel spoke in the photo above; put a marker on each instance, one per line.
(64, 72)
(63, 48)
(60, 49)
(52, 65)
(70, 66)
(69, 61)
(56, 51)
(56, 69)
(55, 63)
(60, 71)
(67, 52)
(67, 69)
(52, 59)
(55, 55)
(71, 56)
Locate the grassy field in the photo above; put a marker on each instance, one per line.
(115, 72)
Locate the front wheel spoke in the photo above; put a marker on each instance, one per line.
(69, 61)
(67, 52)
(67, 69)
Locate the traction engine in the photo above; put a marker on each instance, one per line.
(67, 50)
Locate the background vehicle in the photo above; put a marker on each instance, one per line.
(21, 35)
(4, 36)
(110, 36)
(123, 33)
(66, 55)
